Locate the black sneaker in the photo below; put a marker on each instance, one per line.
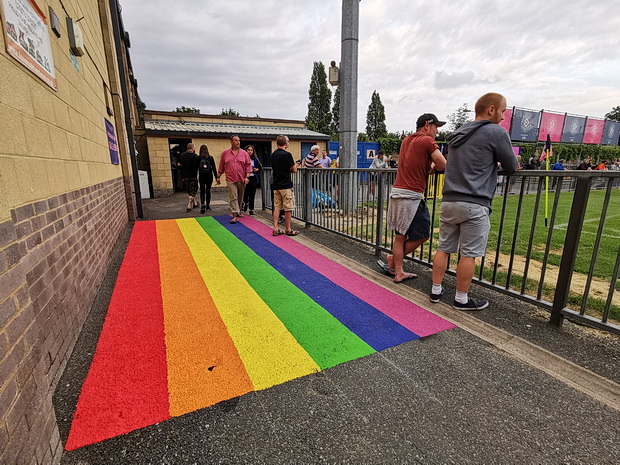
(202, 210)
(252, 212)
(436, 297)
(208, 209)
(472, 305)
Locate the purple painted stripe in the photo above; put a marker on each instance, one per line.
(411, 316)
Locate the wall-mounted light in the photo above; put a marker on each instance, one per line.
(76, 39)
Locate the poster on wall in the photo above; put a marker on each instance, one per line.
(611, 133)
(27, 38)
(525, 125)
(594, 131)
(573, 129)
(113, 146)
(505, 123)
(552, 124)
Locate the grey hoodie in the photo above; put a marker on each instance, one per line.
(475, 149)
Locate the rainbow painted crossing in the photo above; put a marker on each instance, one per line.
(204, 311)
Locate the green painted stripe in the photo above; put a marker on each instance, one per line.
(325, 339)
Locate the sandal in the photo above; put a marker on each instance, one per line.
(292, 232)
(277, 233)
(233, 221)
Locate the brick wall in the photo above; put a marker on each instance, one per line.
(53, 255)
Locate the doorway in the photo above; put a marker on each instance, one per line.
(176, 147)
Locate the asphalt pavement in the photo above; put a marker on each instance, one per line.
(502, 387)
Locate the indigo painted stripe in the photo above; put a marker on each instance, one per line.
(270, 353)
(371, 325)
(327, 340)
(408, 314)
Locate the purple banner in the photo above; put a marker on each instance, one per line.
(525, 125)
(610, 133)
(594, 131)
(552, 124)
(111, 142)
(573, 129)
(507, 120)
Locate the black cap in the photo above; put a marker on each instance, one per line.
(430, 119)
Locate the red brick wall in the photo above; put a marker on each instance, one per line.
(53, 255)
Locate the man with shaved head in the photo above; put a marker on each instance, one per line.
(475, 150)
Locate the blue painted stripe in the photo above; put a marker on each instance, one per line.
(374, 327)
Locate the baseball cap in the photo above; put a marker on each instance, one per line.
(430, 119)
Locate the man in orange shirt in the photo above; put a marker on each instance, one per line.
(408, 215)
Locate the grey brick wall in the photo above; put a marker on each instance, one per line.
(53, 255)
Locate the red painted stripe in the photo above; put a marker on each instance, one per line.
(126, 387)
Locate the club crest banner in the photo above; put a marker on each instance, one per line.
(573, 129)
(525, 125)
(507, 120)
(610, 133)
(552, 124)
(594, 131)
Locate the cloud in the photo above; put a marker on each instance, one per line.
(257, 57)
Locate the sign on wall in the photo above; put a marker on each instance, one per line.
(112, 145)
(27, 38)
(525, 125)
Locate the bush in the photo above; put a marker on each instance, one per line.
(389, 145)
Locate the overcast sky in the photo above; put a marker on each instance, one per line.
(256, 56)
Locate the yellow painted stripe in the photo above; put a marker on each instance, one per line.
(270, 353)
(204, 367)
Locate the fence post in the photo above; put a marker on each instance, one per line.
(379, 208)
(307, 193)
(569, 252)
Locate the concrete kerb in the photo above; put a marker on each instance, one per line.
(597, 387)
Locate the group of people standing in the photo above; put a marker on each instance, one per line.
(241, 167)
(475, 152)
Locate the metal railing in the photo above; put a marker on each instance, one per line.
(554, 240)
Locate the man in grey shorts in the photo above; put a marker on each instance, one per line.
(475, 150)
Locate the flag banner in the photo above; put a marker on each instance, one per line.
(547, 151)
(525, 125)
(573, 129)
(507, 120)
(594, 131)
(610, 133)
(551, 124)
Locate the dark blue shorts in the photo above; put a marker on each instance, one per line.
(421, 225)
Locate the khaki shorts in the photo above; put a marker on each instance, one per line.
(466, 225)
(284, 199)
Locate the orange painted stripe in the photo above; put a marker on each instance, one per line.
(203, 363)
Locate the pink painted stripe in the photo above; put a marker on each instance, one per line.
(411, 316)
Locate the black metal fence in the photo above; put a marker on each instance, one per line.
(554, 240)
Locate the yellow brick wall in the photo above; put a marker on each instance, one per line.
(53, 142)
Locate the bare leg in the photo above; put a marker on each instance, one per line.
(287, 220)
(401, 248)
(440, 265)
(276, 216)
(464, 273)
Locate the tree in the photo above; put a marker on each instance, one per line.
(191, 110)
(319, 115)
(362, 137)
(229, 112)
(141, 107)
(336, 115)
(614, 114)
(375, 118)
(459, 117)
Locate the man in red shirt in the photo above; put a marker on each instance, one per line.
(408, 215)
(236, 164)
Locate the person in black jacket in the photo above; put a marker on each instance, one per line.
(254, 182)
(206, 172)
(188, 164)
